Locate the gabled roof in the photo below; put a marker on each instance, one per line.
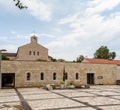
(101, 61)
(32, 44)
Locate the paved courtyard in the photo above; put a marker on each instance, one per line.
(95, 98)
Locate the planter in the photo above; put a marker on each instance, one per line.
(71, 86)
(62, 86)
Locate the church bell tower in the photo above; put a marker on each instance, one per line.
(34, 39)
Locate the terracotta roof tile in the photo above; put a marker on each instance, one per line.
(102, 61)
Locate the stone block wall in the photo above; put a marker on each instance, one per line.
(21, 68)
(32, 51)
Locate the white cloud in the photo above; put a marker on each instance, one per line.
(9, 47)
(90, 30)
(36, 8)
(79, 32)
(93, 23)
(68, 19)
(39, 9)
(19, 36)
(98, 6)
(3, 45)
(46, 35)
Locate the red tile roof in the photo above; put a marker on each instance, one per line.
(101, 61)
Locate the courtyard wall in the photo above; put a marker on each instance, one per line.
(103, 73)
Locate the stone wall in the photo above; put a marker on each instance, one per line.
(118, 72)
(32, 51)
(21, 68)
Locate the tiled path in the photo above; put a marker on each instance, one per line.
(95, 98)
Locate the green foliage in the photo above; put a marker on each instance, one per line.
(41, 60)
(80, 58)
(62, 82)
(103, 53)
(57, 60)
(5, 57)
(112, 55)
(71, 83)
(19, 4)
(61, 60)
(53, 60)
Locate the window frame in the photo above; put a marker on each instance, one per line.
(42, 76)
(38, 53)
(30, 52)
(54, 76)
(66, 76)
(28, 76)
(76, 76)
(33, 52)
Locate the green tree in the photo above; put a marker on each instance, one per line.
(112, 55)
(80, 58)
(4, 57)
(53, 60)
(103, 53)
(41, 60)
(61, 60)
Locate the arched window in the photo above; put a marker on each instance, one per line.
(77, 76)
(41, 76)
(30, 52)
(37, 53)
(33, 52)
(54, 76)
(28, 76)
(66, 76)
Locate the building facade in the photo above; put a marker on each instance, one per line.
(30, 52)
(24, 70)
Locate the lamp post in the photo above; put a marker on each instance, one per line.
(1, 67)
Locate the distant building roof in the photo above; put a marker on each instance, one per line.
(10, 54)
(101, 61)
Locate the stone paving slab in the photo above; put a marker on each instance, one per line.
(42, 97)
(9, 100)
(110, 107)
(96, 101)
(95, 98)
(84, 108)
(54, 104)
(77, 94)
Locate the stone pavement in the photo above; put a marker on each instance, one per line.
(96, 98)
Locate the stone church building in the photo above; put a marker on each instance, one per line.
(31, 66)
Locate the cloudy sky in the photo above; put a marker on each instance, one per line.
(68, 28)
